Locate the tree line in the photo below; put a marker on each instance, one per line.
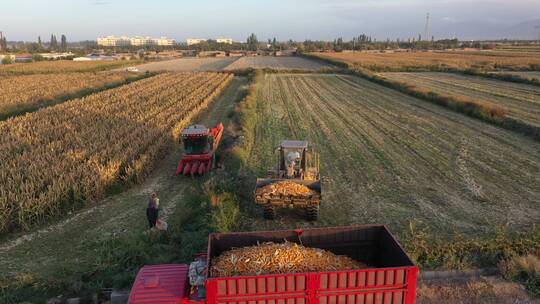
(39, 46)
(252, 43)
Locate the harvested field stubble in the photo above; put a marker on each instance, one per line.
(391, 158)
(28, 92)
(520, 101)
(435, 61)
(276, 63)
(62, 157)
(272, 258)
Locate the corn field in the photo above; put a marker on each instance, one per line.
(27, 92)
(63, 157)
(62, 66)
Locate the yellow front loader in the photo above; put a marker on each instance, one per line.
(294, 182)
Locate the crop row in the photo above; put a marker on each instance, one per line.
(27, 92)
(62, 157)
(520, 101)
(388, 157)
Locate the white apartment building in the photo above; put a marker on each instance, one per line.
(114, 41)
(164, 41)
(224, 40)
(192, 41)
(134, 41)
(141, 41)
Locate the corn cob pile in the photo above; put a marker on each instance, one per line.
(286, 188)
(272, 258)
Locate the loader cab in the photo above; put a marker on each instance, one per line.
(292, 152)
(291, 157)
(196, 140)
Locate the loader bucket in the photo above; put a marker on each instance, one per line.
(314, 185)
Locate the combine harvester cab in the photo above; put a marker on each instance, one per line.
(200, 145)
(389, 279)
(294, 183)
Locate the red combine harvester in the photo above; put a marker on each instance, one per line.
(200, 145)
(390, 278)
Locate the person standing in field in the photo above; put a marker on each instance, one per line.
(152, 210)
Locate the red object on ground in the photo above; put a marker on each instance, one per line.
(192, 164)
(160, 284)
(391, 278)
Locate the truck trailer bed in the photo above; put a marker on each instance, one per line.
(391, 277)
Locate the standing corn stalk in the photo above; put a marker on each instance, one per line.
(62, 157)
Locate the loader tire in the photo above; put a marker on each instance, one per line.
(269, 212)
(312, 213)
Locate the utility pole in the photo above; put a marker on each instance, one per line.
(536, 27)
(426, 30)
(1, 38)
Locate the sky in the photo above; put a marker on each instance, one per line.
(283, 19)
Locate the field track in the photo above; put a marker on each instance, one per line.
(390, 158)
(526, 75)
(522, 101)
(276, 63)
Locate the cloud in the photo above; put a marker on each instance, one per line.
(99, 2)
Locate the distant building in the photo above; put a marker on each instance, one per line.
(141, 41)
(134, 41)
(224, 40)
(114, 41)
(212, 54)
(23, 58)
(237, 53)
(94, 57)
(192, 41)
(56, 55)
(164, 41)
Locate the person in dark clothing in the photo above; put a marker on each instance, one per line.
(152, 210)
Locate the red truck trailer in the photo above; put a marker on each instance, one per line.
(391, 278)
